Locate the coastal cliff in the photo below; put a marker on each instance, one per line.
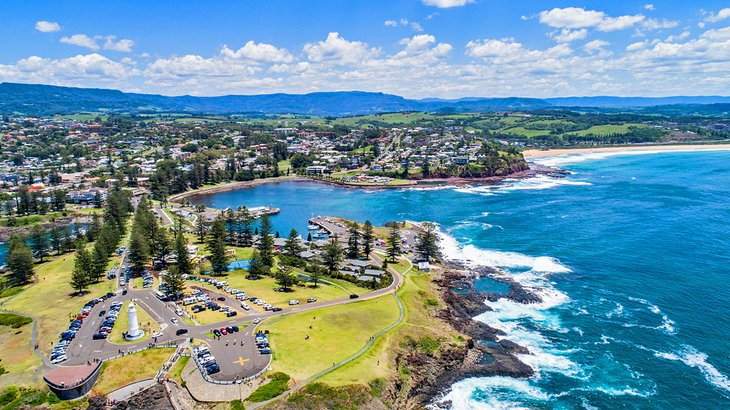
(423, 378)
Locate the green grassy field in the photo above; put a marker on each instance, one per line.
(120, 372)
(17, 357)
(420, 300)
(607, 129)
(527, 133)
(145, 321)
(51, 301)
(264, 289)
(177, 369)
(335, 333)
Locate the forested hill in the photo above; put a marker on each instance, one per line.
(34, 99)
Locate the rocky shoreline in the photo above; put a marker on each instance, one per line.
(535, 170)
(483, 355)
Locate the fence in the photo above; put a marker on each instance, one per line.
(149, 346)
(209, 379)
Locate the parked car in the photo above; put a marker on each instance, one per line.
(98, 336)
(221, 298)
(216, 332)
(231, 313)
(293, 302)
(276, 309)
(235, 328)
(354, 296)
(310, 300)
(224, 331)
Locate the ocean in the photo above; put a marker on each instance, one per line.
(630, 254)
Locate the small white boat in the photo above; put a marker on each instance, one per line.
(312, 227)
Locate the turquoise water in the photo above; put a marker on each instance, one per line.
(629, 253)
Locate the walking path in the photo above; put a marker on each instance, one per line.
(362, 351)
(131, 389)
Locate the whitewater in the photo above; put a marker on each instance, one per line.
(628, 254)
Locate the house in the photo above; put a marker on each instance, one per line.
(374, 273)
(424, 266)
(316, 169)
(306, 255)
(358, 263)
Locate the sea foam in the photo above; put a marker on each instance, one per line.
(539, 182)
(696, 359)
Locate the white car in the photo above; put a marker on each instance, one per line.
(256, 321)
(174, 320)
(157, 334)
(59, 359)
(245, 306)
(293, 302)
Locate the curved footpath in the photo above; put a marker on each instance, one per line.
(360, 352)
(34, 334)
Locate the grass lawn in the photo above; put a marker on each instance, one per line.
(527, 133)
(264, 289)
(17, 357)
(145, 321)
(284, 166)
(206, 317)
(420, 300)
(607, 129)
(241, 253)
(138, 283)
(335, 333)
(50, 300)
(120, 372)
(176, 372)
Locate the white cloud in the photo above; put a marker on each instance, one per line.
(338, 50)
(509, 50)
(416, 26)
(575, 17)
(123, 45)
(649, 7)
(595, 45)
(259, 52)
(81, 40)
(81, 70)
(637, 45)
(658, 24)
(719, 16)
(47, 26)
(567, 36)
(681, 63)
(445, 4)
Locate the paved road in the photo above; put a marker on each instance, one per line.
(237, 360)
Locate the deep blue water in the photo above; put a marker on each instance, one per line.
(630, 254)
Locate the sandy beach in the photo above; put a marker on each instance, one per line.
(534, 153)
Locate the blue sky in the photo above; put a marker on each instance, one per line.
(415, 48)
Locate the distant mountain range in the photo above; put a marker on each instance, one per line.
(36, 99)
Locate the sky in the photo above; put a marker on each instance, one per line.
(412, 48)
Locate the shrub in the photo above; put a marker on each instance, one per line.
(430, 302)
(14, 321)
(428, 345)
(237, 405)
(377, 386)
(278, 384)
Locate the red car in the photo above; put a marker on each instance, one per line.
(223, 331)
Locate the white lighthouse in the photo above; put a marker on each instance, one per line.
(134, 331)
